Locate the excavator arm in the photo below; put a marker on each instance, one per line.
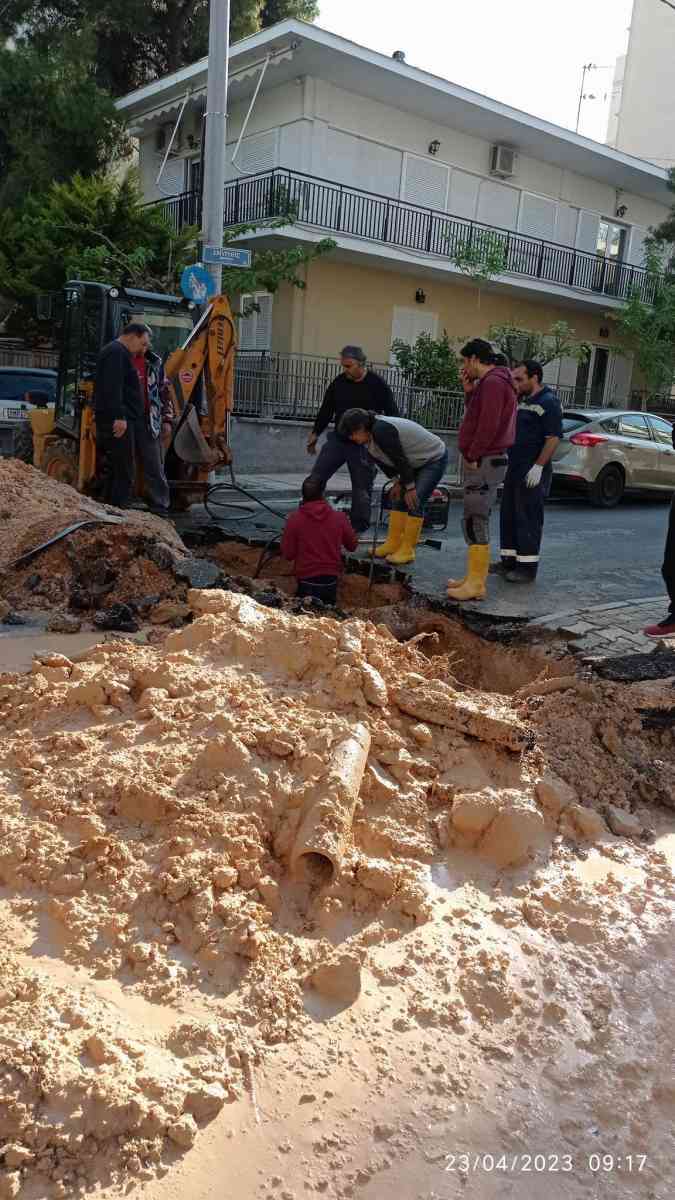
(206, 358)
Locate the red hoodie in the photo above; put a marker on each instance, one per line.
(314, 537)
(489, 425)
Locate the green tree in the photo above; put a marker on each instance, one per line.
(559, 341)
(54, 118)
(99, 229)
(429, 363)
(136, 41)
(480, 256)
(648, 330)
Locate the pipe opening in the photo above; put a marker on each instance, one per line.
(315, 868)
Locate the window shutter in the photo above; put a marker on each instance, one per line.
(621, 374)
(246, 324)
(587, 232)
(258, 153)
(561, 372)
(426, 182)
(463, 194)
(255, 331)
(537, 217)
(637, 246)
(566, 224)
(498, 204)
(409, 323)
(263, 321)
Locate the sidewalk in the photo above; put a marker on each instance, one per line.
(605, 631)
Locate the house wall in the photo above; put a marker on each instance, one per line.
(541, 199)
(313, 126)
(344, 303)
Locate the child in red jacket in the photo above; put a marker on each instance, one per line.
(313, 540)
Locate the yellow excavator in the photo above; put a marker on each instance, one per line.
(198, 363)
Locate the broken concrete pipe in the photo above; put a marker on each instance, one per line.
(325, 825)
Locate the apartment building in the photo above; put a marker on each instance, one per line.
(642, 112)
(404, 171)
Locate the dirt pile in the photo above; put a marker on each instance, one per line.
(154, 804)
(126, 556)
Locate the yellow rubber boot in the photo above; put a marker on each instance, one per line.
(473, 587)
(411, 536)
(397, 522)
(455, 583)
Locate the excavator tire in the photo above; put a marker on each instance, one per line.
(61, 461)
(23, 442)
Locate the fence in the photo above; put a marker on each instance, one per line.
(286, 387)
(291, 387)
(336, 208)
(16, 354)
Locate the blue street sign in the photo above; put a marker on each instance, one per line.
(226, 256)
(197, 285)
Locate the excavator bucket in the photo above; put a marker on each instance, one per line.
(204, 367)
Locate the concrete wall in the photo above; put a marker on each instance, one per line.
(276, 448)
(645, 123)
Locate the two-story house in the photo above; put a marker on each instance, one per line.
(407, 171)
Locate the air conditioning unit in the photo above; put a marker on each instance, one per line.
(503, 161)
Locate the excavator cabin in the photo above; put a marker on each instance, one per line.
(64, 438)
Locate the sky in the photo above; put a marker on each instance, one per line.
(527, 53)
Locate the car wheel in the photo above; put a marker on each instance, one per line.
(608, 488)
(23, 442)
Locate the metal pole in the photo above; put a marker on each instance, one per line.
(215, 131)
(581, 93)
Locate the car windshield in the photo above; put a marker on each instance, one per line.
(13, 386)
(169, 329)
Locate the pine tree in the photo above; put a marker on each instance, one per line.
(135, 41)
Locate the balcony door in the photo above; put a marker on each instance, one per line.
(611, 251)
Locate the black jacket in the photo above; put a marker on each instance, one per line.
(371, 393)
(117, 392)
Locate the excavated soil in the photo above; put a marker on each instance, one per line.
(354, 591)
(160, 956)
(127, 556)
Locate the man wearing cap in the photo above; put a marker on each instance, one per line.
(355, 387)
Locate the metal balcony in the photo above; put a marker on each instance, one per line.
(334, 208)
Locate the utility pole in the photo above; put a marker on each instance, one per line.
(215, 132)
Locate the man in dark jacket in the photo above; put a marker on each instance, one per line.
(313, 540)
(486, 432)
(356, 387)
(529, 474)
(118, 404)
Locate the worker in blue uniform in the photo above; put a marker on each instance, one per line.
(529, 473)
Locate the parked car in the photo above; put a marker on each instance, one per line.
(607, 452)
(22, 389)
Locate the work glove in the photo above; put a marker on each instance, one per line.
(533, 477)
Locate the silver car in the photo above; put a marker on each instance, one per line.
(606, 452)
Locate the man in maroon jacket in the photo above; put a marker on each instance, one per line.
(487, 431)
(313, 539)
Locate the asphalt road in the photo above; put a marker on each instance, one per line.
(590, 556)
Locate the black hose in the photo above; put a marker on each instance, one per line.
(236, 487)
